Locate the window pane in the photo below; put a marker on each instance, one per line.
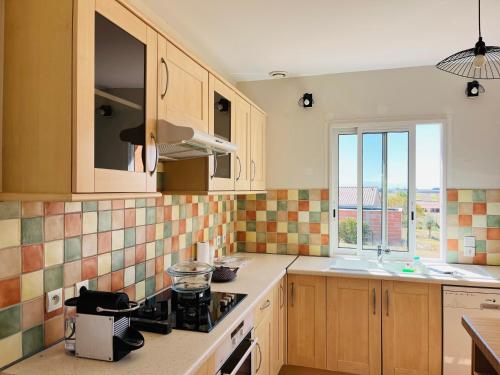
(397, 191)
(347, 194)
(428, 185)
(372, 189)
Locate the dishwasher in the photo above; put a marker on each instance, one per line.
(457, 344)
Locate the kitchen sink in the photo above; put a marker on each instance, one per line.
(369, 265)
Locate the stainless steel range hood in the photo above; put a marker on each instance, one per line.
(183, 142)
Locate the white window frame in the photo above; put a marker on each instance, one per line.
(359, 128)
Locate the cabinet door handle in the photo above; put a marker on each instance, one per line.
(265, 305)
(157, 155)
(292, 292)
(164, 63)
(387, 302)
(282, 295)
(215, 166)
(260, 357)
(374, 300)
(254, 171)
(239, 169)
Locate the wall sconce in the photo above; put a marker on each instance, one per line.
(306, 100)
(474, 88)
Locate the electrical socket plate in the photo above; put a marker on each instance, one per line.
(219, 241)
(78, 286)
(54, 300)
(469, 251)
(469, 241)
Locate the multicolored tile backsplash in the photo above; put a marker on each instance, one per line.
(284, 222)
(120, 245)
(474, 213)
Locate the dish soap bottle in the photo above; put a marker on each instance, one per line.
(418, 266)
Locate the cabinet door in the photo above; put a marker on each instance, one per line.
(242, 140)
(411, 328)
(187, 90)
(262, 354)
(278, 349)
(307, 321)
(115, 101)
(221, 112)
(354, 326)
(257, 149)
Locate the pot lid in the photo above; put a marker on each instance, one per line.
(189, 267)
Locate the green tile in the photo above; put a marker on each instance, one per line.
(175, 199)
(189, 239)
(224, 206)
(481, 246)
(10, 321)
(261, 197)
(314, 217)
(104, 223)
(211, 232)
(303, 239)
(282, 205)
(479, 195)
(271, 215)
(325, 251)
(167, 229)
(129, 237)
(196, 225)
(117, 260)
(182, 211)
(452, 208)
(241, 205)
(251, 226)
(93, 284)
(304, 195)
(452, 256)
(159, 247)
(32, 230)
(241, 247)
(89, 206)
(53, 278)
(293, 227)
(151, 215)
(150, 286)
(205, 208)
(324, 206)
(282, 248)
(140, 203)
(140, 272)
(493, 221)
(464, 231)
(72, 249)
(174, 258)
(10, 210)
(261, 237)
(32, 340)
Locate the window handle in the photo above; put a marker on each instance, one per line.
(412, 215)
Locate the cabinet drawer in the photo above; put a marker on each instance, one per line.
(263, 307)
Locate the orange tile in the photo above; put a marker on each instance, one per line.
(72, 224)
(304, 249)
(104, 283)
(10, 292)
(104, 242)
(303, 205)
(130, 292)
(452, 195)
(167, 213)
(117, 280)
(465, 220)
(32, 209)
(282, 195)
(89, 268)
(150, 232)
(54, 330)
(293, 216)
(251, 215)
(314, 227)
(158, 264)
(32, 258)
(282, 238)
(140, 253)
(54, 208)
(479, 258)
(452, 244)
(261, 247)
(33, 313)
(479, 208)
(324, 194)
(271, 237)
(325, 239)
(118, 204)
(261, 205)
(493, 234)
(271, 226)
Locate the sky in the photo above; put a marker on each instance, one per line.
(428, 156)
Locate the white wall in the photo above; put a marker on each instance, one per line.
(297, 147)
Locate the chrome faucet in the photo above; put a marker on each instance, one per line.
(381, 252)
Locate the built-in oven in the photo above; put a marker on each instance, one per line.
(239, 352)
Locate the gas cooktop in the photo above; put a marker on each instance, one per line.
(199, 312)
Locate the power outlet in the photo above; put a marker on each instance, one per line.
(54, 300)
(79, 285)
(219, 241)
(469, 246)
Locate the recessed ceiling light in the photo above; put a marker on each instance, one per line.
(278, 74)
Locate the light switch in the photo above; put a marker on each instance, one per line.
(54, 300)
(78, 286)
(469, 251)
(469, 241)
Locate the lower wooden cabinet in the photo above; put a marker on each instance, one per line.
(411, 328)
(263, 334)
(278, 342)
(353, 325)
(207, 368)
(307, 321)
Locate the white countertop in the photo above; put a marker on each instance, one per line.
(466, 275)
(180, 352)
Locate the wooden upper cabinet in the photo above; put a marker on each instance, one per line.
(257, 149)
(242, 140)
(411, 333)
(354, 326)
(186, 96)
(221, 114)
(307, 321)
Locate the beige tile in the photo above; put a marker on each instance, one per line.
(11, 349)
(493, 195)
(117, 219)
(159, 231)
(72, 273)
(104, 205)
(89, 222)
(10, 262)
(293, 195)
(54, 253)
(167, 261)
(493, 259)
(479, 221)
(493, 208)
(54, 227)
(32, 209)
(493, 246)
(465, 195)
(117, 239)
(150, 250)
(33, 312)
(10, 233)
(72, 207)
(32, 285)
(104, 264)
(89, 245)
(140, 290)
(129, 276)
(129, 203)
(54, 330)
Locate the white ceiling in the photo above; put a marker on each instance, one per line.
(248, 38)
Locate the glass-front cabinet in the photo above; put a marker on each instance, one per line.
(222, 125)
(121, 156)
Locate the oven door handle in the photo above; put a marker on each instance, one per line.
(244, 358)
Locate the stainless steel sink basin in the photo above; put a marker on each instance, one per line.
(369, 265)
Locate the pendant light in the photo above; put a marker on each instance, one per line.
(480, 62)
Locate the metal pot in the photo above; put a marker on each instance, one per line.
(190, 276)
(224, 274)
